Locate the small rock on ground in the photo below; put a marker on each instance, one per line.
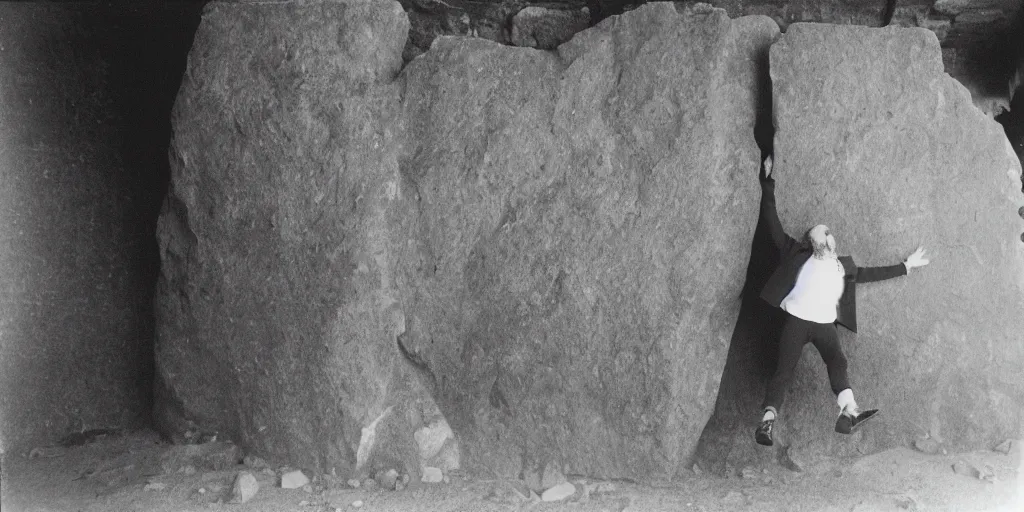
(559, 492)
(1005, 447)
(353, 483)
(927, 445)
(432, 475)
(244, 488)
(155, 486)
(430, 439)
(293, 480)
(966, 469)
(387, 479)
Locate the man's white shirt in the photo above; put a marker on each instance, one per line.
(815, 296)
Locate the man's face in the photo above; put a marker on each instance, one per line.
(822, 241)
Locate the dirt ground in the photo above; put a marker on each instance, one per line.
(126, 473)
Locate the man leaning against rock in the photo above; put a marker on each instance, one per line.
(817, 290)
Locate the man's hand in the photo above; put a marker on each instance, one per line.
(918, 259)
(768, 167)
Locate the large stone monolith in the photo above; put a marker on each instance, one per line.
(557, 239)
(876, 141)
(584, 225)
(277, 303)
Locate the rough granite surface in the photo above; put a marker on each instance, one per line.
(876, 141)
(584, 225)
(277, 305)
(558, 237)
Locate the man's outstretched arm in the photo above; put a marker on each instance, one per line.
(768, 212)
(869, 274)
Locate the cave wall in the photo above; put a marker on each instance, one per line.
(85, 95)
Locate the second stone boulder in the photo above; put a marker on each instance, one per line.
(584, 227)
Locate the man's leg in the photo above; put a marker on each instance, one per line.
(826, 340)
(791, 343)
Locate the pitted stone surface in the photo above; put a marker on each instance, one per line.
(584, 226)
(276, 302)
(560, 236)
(876, 141)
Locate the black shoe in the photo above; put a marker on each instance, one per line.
(763, 435)
(847, 423)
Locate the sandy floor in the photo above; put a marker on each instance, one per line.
(112, 475)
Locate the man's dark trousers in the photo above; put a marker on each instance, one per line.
(796, 333)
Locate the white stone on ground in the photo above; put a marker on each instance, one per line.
(293, 480)
(244, 488)
(432, 438)
(432, 475)
(559, 492)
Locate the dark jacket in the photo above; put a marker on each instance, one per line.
(794, 254)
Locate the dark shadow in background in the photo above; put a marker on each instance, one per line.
(753, 349)
(148, 44)
(1013, 120)
(89, 88)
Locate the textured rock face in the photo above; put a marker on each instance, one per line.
(584, 224)
(874, 140)
(559, 238)
(276, 303)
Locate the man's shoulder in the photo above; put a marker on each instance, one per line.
(848, 264)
